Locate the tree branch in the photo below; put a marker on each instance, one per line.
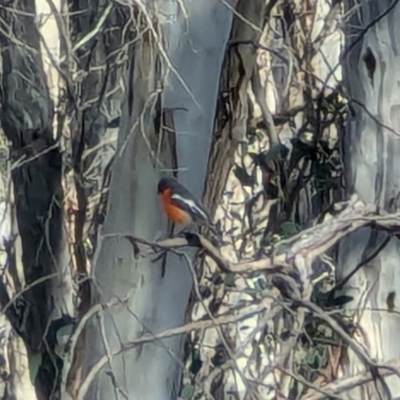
(308, 244)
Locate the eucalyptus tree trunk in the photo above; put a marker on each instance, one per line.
(191, 62)
(99, 100)
(372, 147)
(37, 274)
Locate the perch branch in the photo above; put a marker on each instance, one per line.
(309, 244)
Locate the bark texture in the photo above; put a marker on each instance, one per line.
(234, 97)
(36, 171)
(269, 106)
(97, 108)
(372, 145)
(155, 303)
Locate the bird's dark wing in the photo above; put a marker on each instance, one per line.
(188, 203)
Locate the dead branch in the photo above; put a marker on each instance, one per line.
(342, 385)
(244, 313)
(308, 244)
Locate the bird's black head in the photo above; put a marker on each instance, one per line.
(165, 183)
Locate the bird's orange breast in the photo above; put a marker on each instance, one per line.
(174, 213)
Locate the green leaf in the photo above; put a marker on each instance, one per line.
(275, 153)
(230, 280)
(187, 392)
(289, 228)
(34, 364)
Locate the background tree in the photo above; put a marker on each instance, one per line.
(238, 98)
(372, 144)
(284, 186)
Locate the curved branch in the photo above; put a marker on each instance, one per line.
(347, 217)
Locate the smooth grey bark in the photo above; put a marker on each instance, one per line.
(152, 371)
(372, 146)
(197, 57)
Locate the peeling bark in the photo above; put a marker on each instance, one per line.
(372, 146)
(27, 120)
(266, 191)
(231, 113)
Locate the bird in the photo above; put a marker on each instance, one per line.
(180, 206)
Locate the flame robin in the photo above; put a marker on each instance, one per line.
(180, 206)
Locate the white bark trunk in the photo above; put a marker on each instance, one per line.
(371, 150)
(152, 371)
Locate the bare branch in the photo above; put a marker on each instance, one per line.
(308, 244)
